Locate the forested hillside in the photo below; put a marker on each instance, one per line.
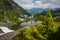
(55, 14)
(9, 9)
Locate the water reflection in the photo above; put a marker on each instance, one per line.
(31, 22)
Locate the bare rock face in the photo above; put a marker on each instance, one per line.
(1, 31)
(9, 36)
(6, 36)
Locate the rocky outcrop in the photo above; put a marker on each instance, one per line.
(1, 31)
(9, 36)
(6, 36)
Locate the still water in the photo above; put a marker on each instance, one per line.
(32, 22)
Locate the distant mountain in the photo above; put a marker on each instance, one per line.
(36, 10)
(54, 9)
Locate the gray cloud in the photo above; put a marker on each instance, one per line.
(28, 4)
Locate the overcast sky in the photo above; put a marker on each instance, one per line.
(28, 4)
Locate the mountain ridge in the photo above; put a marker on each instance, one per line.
(38, 10)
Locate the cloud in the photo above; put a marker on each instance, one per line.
(28, 4)
(39, 4)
